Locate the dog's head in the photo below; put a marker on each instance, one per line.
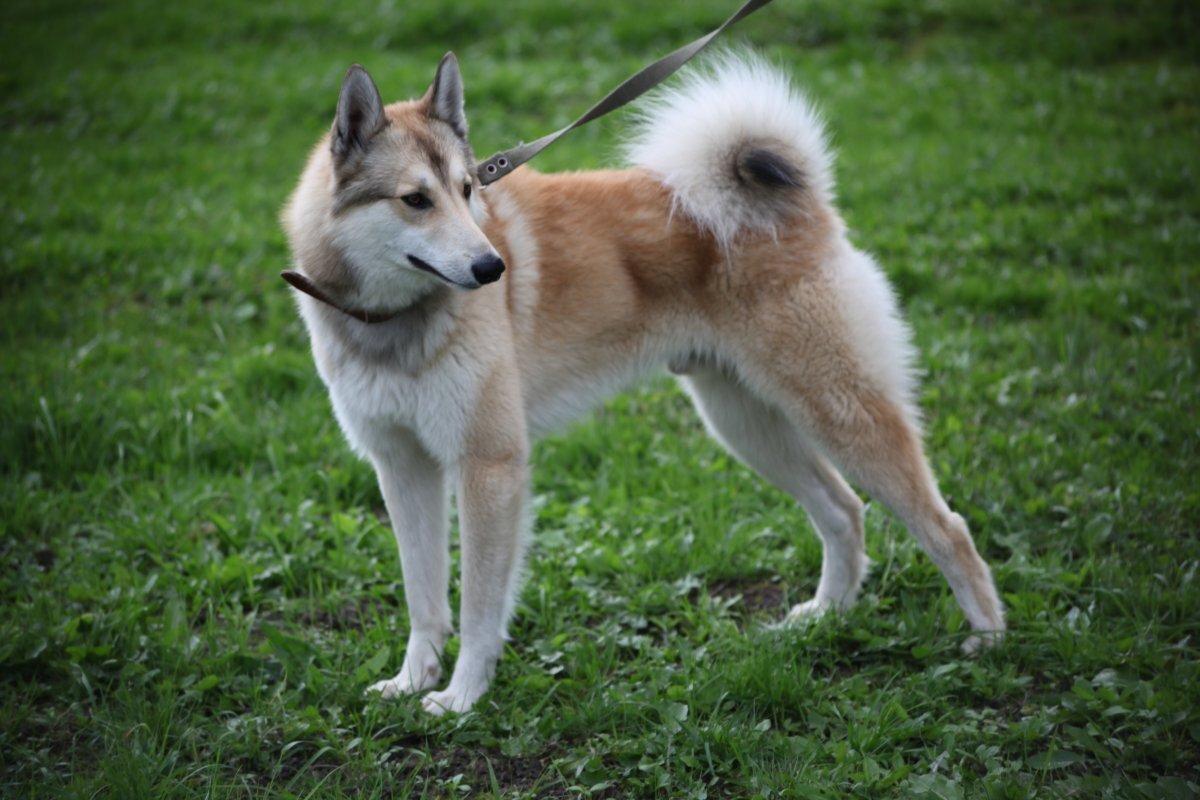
(405, 193)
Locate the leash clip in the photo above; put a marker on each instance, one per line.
(493, 166)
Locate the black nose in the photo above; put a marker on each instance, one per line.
(487, 269)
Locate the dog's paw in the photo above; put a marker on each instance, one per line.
(809, 610)
(421, 670)
(472, 675)
(981, 641)
(390, 688)
(449, 701)
(403, 684)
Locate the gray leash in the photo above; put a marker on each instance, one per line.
(504, 162)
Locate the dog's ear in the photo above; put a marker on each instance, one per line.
(445, 96)
(359, 114)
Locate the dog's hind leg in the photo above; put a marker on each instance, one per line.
(831, 352)
(414, 491)
(872, 438)
(875, 441)
(765, 440)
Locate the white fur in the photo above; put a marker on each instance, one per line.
(373, 400)
(377, 248)
(688, 133)
(524, 250)
(378, 245)
(872, 321)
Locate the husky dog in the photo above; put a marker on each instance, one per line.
(453, 324)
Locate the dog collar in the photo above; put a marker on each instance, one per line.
(301, 282)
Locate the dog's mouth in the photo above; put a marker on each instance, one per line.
(484, 270)
(425, 266)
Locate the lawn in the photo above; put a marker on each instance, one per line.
(197, 582)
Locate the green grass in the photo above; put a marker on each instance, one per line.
(196, 586)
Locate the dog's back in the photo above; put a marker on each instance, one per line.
(618, 272)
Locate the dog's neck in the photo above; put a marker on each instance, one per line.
(404, 339)
(300, 281)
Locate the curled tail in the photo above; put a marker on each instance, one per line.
(739, 147)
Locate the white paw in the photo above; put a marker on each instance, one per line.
(421, 670)
(472, 675)
(390, 688)
(981, 641)
(450, 701)
(404, 683)
(808, 611)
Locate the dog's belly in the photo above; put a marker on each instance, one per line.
(565, 382)
(549, 408)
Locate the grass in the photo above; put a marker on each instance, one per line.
(196, 583)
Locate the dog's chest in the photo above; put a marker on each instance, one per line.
(375, 399)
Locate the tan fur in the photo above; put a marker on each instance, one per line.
(785, 336)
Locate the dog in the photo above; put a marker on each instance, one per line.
(454, 323)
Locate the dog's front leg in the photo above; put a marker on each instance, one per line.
(414, 491)
(492, 510)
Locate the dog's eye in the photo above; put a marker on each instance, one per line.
(417, 200)
(467, 191)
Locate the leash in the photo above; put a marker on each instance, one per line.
(504, 162)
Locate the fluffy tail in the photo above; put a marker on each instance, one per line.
(739, 148)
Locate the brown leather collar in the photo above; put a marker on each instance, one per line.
(301, 282)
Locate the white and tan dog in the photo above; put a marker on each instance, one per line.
(452, 325)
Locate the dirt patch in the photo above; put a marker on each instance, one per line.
(350, 616)
(45, 557)
(750, 596)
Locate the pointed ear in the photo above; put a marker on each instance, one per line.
(359, 114)
(445, 96)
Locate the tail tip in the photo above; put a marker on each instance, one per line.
(768, 168)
